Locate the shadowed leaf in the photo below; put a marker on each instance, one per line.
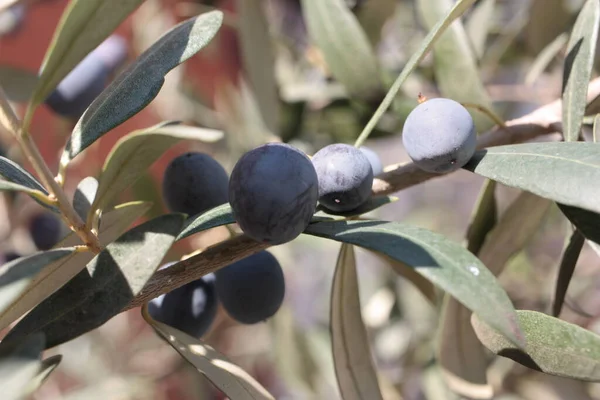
(540, 167)
(55, 275)
(554, 347)
(137, 85)
(233, 381)
(356, 375)
(83, 26)
(133, 154)
(578, 68)
(586, 222)
(445, 263)
(109, 282)
(566, 269)
(484, 217)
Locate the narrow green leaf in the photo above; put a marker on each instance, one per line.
(345, 46)
(460, 355)
(596, 135)
(445, 263)
(84, 196)
(585, 221)
(578, 68)
(109, 282)
(453, 60)
(16, 276)
(370, 205)
(218, 216)
(478, 25)
(561, 171)
(133, 154)
(18, 84)
(233, 381)
(13, 172)
(434, 34)
(258, 58)
(46, 368)
(544, 58)
(566, 269)
(55, 275)
(83, 26)
(554, 347)
(513, 231)
(354, 369)
(19, 365)
(484, 217)
(137, 85)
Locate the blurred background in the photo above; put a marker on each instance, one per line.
(263, 77)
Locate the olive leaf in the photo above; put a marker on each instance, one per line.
(578, 68)
(445, 263)
(259, 60)
(109, 282)
(16, 275)
(55, 275)
(20, 180)
(218, 216)
(47, 366)
(233, 381)
(133, 154)
(84, 196)
(537, 167)
(554, 347)
(566, 269)
(19, 365)
(484, 217)
(370, 205)
(586, 221)
(83, 26)
(355, 372)
(478, 25)
(345, 46)
(140, 82)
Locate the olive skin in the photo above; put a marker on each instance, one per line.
(46, 230)
(252, 289)
(439, 135)
(273, 193)
(376, 164)
(194, 183)
(191, 308)
(345, 177)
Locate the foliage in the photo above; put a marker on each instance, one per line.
(105, 266)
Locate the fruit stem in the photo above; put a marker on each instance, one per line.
(489, 113)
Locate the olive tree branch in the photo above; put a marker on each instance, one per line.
(543, 121)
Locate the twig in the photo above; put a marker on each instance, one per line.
(543, 121)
